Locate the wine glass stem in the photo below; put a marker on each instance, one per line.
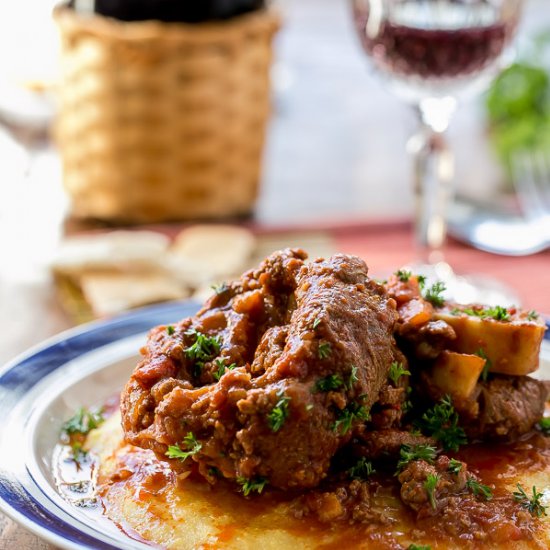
(433, 176)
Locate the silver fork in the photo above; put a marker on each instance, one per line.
(503, 234)
(531, 175)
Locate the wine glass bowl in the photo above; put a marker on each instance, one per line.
(434, 48)
(430, 53)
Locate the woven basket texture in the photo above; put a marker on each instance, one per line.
(163, 121)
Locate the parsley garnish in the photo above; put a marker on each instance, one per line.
(441, 422)
(352, 378)
(498, 313)
(249, 485)
(532, 315)
(221, 288)
(485, 372)
(532, 504)
(79, 455)
(362, 469)
(316, 323)
(409, 453)
(478, 489)
(396, 372)
(544, 425)
(204, 349)
(222, 367)
(430, 485)
(170, 330)
(83, 421)
(454, 466)
(403, 275)
(421, 281)
(348, 416)
(191, 444)
(324, 350)
(278, 415)
(434, 294)
(329, 383)
(419, 547)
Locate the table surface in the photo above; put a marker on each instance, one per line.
(331, 158)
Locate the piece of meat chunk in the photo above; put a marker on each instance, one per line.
(505, 407)
(272, 377)
(502, 408)
(416, 491)
(420, 335)
(381, 444)
(346, 502)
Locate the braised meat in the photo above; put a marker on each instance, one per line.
(348, 501)
(420, 335)
(505, 407)
(420, 495)
(381, 444)
(271, 378)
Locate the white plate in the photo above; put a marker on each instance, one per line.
(42, 388)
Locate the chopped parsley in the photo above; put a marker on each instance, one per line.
(332, 382)
(434, 294)
(78, 454)
(324, 350)
(478, 489)
(455, 466)
(487, 367)
(533, 504)
(441, 422)
(278, 415)
(316, 323)
(220, 289)
(532, 315)
(170, 330)
(403, 275)
(361, 470)
(419, 547)
(498, 313)
(221, 368)
(397, 371)
(348, 416)
(544, 425)
(409, 453)
(83, 421)
(248, 486)
(191, 444)
(352, 378)
(430, 484)
(205, 348)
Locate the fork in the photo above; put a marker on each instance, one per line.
(531, 177)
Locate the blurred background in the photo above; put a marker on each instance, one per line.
(333, 172)
(89, 227)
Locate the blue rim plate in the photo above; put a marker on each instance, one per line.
(28, 382)
(43, 387)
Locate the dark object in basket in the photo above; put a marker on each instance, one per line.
(173, 10)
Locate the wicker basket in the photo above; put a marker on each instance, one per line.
(163, 121)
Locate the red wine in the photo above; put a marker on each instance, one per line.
(433, 40)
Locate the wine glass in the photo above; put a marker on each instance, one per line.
(430, 53)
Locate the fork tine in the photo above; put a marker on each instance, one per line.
(543, 181)
(526, 187)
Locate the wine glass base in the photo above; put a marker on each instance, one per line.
(467, 289)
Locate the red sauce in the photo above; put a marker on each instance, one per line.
(496, 522)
